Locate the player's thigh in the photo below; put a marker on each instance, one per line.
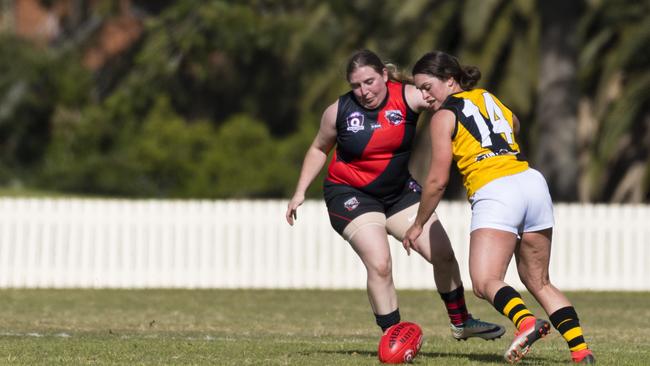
(359, 218)
(433, 243)
(402, 210)
(350, 209)
(533, 257)
(370, 242)
(490, 253)
(498, 211)
(401, 213)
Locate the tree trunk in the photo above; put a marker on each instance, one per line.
(555, 154)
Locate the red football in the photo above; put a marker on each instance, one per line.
(400, 343)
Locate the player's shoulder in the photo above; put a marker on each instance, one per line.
(457, 100)
(330, 112)
(413, 98)
(471, 93)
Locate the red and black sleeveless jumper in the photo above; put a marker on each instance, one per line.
(373, 148)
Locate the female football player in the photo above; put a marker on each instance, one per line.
(370, 193)
(512, 212)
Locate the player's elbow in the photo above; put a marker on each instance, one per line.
(319, 149)
(437, 183)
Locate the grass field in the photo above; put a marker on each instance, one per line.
(264, 327)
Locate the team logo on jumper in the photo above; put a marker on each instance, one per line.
(414, 186)
(351, 204)
(394, 116)
(355, 122)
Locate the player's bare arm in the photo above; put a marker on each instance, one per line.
(442, 126)
(315, 159)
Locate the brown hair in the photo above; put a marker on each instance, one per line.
(443, 66)
(368, 58)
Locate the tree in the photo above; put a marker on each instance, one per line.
(615, 104)
(557, 102)
(215, 88)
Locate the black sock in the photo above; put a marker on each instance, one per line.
(508, 302)
(455, 304)
(566, 321)
(388, 320)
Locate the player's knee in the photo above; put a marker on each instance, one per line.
(381, 269)
(479, 288)
(443, 257)
(477, 292)
(536, 284)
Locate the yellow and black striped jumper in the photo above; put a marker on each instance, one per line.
(484, 153)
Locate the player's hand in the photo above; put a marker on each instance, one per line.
(412, 234)
(292, 207)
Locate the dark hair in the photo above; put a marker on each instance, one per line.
(443, 66)
(368, 58)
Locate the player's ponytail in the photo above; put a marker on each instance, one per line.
(469, 76)
(395, 74)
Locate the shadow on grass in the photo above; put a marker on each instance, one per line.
(480, 357)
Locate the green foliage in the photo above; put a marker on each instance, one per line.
(291, 152)
(168, 157)
(167, 152)
(246, 161)
(501, 38)
(614, 74)
(240, 159)
(33, 83)
(221, 99)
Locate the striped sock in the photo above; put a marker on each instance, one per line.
(455, 303)
(566, 322)
(508, 302)
(388, 320)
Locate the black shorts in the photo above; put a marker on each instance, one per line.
(345, 203)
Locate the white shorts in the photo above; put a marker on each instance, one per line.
(516, 203)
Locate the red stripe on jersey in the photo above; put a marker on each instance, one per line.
(380, 148)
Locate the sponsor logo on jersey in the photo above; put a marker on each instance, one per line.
(375, 126)
(351, 204)
(394, 116)
(355, 122)
(498, 153)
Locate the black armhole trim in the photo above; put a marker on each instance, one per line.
(339, 109)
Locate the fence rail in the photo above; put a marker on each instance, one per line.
(88, 243)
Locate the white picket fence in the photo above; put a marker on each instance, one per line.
(89, 243)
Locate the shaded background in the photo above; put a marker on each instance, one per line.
(220, 99)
